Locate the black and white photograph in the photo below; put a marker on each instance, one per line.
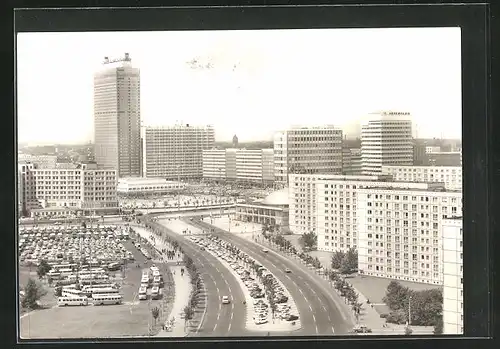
(239, 183)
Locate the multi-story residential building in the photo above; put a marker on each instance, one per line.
(244, 165)
(41, 161)
(175, 152)
(327, 205)
(85, 189)
(400, 230)
(453, 290)
(307, 150)
(117, 117)
(451, 176)
(386, 221)
(386, 139)
(351, 161)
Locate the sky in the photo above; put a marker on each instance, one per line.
(248, 83)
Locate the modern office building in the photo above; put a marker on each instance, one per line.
(214, 164)
(41, 161)
(82, 190)
(445, 158)
(453, 288)
(386, 139)
(243, 165)
(351, 161)
(139, 186)
(175, 152)
(307, 150)
(451, 176)
(117, 116)
(26, 193)
(400, 230)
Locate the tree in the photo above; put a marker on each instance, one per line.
(49, 280)
(408, 331)
(58, 291)
(337, 259)
(32, 294)
(43, 269)
(308, 240)
(438, 328)
(349, 263)
(188, 314)
(155, 313)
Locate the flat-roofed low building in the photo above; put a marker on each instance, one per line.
(273, 211)
(141, 186)
(453, 287)
(451, 176)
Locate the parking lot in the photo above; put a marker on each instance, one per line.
(131, 318)
(262, 290)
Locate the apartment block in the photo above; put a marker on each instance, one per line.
(453, 288)
(400, 230)
(386, 139)
(451, 176)
(307, 150)
(176, 152)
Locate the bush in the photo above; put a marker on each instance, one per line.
(397, 317)
(32, 294)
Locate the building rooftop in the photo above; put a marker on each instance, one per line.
(278, 198)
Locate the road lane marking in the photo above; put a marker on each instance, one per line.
(333, 331)
(324, 308)
(310, 308)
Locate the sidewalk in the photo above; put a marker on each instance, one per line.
(182, 292)
(158, 242)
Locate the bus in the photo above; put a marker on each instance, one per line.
(66, 301)
(143, 293)
(87, 287)
(91, 292)
(105, 299)
(69, 292)
(155, 292)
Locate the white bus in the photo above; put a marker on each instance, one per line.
(87, 287)
(65, 301)
(105, 299)
(100, 290)
(143, 293)
(155, 292)
(69, 292)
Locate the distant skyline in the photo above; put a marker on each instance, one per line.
(248, 83)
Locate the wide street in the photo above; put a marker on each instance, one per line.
(219, 320)
(320, 308)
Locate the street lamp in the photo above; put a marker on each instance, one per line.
(409, 312)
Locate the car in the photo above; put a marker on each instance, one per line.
(265, 250)
(202, 248)
(287, 270)
(225, 300)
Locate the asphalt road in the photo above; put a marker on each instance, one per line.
(316, 302)
(220, 320)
